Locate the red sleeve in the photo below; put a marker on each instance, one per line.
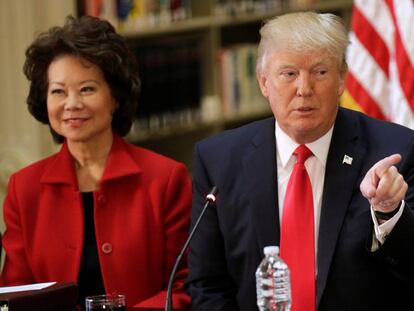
(177, 210)
(16, 270)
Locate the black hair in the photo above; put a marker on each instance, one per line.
(96, 41)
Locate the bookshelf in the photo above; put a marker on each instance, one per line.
(197, 67)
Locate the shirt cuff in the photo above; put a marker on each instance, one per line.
(382, 231)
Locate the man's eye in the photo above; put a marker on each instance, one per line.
(288, 75)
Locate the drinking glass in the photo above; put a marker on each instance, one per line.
(113, 302)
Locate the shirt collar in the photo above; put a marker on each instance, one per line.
(286, 145)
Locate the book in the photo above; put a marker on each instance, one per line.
(239, 90)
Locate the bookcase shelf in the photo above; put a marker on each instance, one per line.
(212, 39)
(138, 136)
(190, 25)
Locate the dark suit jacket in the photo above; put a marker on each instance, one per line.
(228, 246)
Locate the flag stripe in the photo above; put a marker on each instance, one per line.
(369, 75)
(366, 102)
(381, 60)
(404, 65)
(406, 73)
(405, 23)
(379, 17)
(399, 109)
(369, 37)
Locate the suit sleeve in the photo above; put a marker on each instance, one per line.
(397, 254)
(16, 270)
(209, 283)
(176, 219)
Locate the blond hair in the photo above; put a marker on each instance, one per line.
(303, 32)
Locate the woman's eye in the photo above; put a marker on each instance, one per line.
(87, 89)
(56, 91)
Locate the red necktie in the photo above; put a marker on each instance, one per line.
(297, 240)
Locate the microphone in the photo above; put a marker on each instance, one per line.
(210, 199)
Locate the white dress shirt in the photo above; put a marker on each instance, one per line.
(315, 166)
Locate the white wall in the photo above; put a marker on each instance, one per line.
(22, 138)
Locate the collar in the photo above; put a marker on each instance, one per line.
(286, 145)
(120, 163)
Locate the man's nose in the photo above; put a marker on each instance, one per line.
(304, 85)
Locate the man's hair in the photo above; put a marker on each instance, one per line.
(303, 32)
(97, 42)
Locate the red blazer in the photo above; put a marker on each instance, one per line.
(142, 212)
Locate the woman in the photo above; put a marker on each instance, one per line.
(102, 212)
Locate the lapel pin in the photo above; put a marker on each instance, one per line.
(347, 160)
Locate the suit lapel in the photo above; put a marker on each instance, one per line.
(342, 172)
(259, 174)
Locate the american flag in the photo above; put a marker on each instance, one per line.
(380, 57)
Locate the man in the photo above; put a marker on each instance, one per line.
(361, 237)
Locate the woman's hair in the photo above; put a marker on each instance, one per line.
(303, 32)
(96, 41)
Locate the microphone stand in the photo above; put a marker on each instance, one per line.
(210, 198)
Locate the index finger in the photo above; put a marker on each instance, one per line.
(383, 165)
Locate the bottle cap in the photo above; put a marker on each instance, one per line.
(271, 250)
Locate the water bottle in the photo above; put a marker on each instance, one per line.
(273, 282)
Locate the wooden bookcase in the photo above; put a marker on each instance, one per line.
(209, 33)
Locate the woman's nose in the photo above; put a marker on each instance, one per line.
(73, 101)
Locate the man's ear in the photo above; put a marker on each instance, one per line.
(343, 73)
(262, 80)
(341, 86)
